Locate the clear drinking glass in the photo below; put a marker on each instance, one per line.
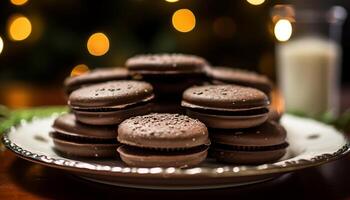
(308, 63)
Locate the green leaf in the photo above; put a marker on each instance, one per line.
(14, 117)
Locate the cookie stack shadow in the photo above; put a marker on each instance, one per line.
(170, 110)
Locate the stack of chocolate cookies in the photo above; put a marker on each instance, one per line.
(170, 75)
(238, 120)
(163, 140)
(155, 113)
(90, 130)
(95, 76)
(226, 75)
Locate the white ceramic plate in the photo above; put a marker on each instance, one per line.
(311, 143)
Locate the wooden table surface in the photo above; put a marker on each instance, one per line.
(20, 179)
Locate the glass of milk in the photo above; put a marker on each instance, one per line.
(308, 63)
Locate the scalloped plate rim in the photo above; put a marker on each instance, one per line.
(240, 171)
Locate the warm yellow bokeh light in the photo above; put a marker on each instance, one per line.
(98, 44)
(19, 28)
(256, 2)
(171, 1)
(1, 45)
(79, 70)
(184, 20)
(18, 96)
(283, 30)
(19, 2)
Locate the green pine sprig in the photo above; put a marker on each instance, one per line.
(11, 118)
(342, 122)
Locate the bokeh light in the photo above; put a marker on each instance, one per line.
(18, 96)
(224, 27)
(98, 44)
(283, 30)
(79, 70)
(184, 20)
(256, 2)
(171, 1)
(19, 2)
(19, 27)
(1, 45)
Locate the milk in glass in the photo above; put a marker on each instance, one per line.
(308, 70)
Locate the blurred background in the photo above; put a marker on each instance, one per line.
(43, 42)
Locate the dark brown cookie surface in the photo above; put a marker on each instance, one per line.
(169, 74)
(111, 102)
(155, 158)
(68, 125)
(248, 157)
(269, 133)
(95, 76)
(222, 75)
(258, 145)
(72, 138)
(114, 94)
(161, 139)
(162, 130)
(169, 63)
(224, 97)
(226, 106)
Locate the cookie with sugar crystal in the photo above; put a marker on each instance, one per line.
(95, 76)
(262, 144)
(226, 106)
(166, 63)
(111, 102)
(75, 139)
(163, 140)
(170, 74)
(226, 75)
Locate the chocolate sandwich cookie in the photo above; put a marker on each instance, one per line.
(226, 75)
(263, 144)
(170, 74)
(95, 76)
(163, 140)
(73, 138)
(226, 106)
(111, 102)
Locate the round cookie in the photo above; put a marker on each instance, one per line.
(258, 145)
(166, 63)
(163, 140)
(80, 140)
(226, 106)
(226, 75)
(111, 102)
(170, 74)
(96, 76)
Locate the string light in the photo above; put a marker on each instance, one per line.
(1, 45)
(256, 2)
(184, 20)
(171, 1)
(79, 70)
(19, 27)
(283, 30)
(19, 2)
(98, 44)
